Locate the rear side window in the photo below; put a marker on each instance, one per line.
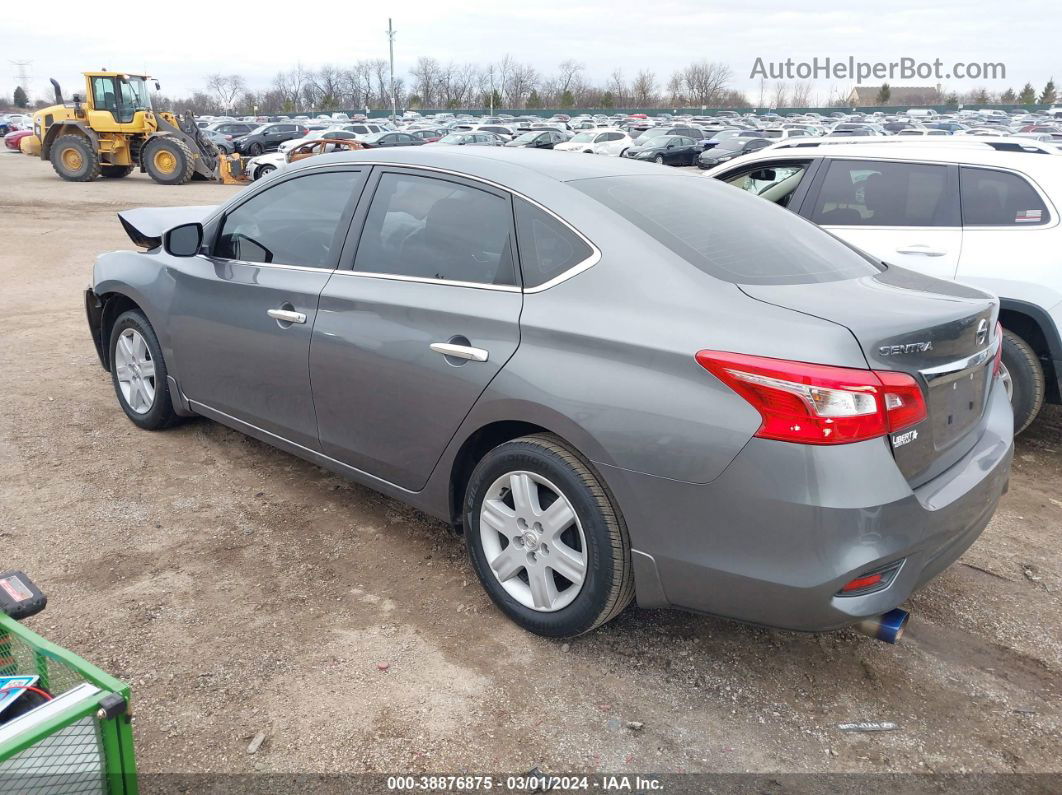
(548, 248)
(999, 198)
(431, 228)
(731, 235)
(292, 223)
(872, 193)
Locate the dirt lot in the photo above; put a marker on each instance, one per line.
(239, 589)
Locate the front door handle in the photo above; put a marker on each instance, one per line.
(287, 315)
(923, 250)
(460, 351)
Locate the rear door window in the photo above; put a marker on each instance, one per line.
(876, 193)
(431, 228)
(999, 198)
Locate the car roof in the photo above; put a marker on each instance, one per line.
(505, 166)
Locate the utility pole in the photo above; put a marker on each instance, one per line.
(492, 89)
(391, 41)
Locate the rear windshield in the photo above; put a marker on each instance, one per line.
(729, 234)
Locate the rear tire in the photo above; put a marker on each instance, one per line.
(597, 536)
(168, 161)
(116, 172)
(74, 158)
(144, 397)
(1026, 377)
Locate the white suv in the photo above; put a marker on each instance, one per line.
(976, 210)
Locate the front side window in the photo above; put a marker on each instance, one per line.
(870, 193)
(776, 183)
(999, 198)
(429, 228)
(292, 223)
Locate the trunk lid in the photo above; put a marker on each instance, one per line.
(941, 333)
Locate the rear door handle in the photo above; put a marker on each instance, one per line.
(287, 315)
(460, 351)
(918, 248)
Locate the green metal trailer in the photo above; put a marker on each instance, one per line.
(78, 738)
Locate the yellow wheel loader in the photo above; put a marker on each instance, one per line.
(112, 129)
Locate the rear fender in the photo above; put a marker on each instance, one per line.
(63, 128)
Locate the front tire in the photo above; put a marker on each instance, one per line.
(264, 170)
(138, 372)
(547, 543)
(74, 159)
(659, 160)
(1026, 376)
(168, 161)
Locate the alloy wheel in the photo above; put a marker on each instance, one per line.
(533, 541)
(135, 370)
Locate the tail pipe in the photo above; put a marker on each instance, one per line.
(887, 627)
(58, 91)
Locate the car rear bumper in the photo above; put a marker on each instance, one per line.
(776, 536)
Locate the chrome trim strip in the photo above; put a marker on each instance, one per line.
(277, 265)
(960, 367)
(504, 288)
(575, 270)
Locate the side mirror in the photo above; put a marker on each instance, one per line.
(763, 175)
(184, 240)
(76, 98)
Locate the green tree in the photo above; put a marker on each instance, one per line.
(608, 100)
(884, 93)
(1027, 95)
(1049, 97)
(981, 97)
(21, 100)
(1008, 97)
(533, 100)
(567, 99)
(414, 100)
(952, 100)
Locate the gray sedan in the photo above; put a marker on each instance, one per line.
(615, 380)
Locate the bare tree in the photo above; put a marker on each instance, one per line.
(644, 88)
(226, 88)
(706, 81)
(779, 97)
(617, 86)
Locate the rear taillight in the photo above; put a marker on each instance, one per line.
(816, 403)
(997, 365)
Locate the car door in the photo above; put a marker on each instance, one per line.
(902, 213)
(1008, 224)
(243, 310)
(422, 314)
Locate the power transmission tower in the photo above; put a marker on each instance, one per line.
(23, 76)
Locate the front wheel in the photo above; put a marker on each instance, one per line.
(548, 544)
(255, 149)
(1023, 375)
(659, 160)
(168, 161)
(263, 170)
(139, 372)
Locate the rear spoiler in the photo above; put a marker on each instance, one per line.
(146, 225)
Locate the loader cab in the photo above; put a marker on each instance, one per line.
(114, 99)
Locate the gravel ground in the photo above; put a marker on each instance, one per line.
(241, 590)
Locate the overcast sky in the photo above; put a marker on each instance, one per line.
(180, 45)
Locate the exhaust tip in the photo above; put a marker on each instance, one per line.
(888, 627)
